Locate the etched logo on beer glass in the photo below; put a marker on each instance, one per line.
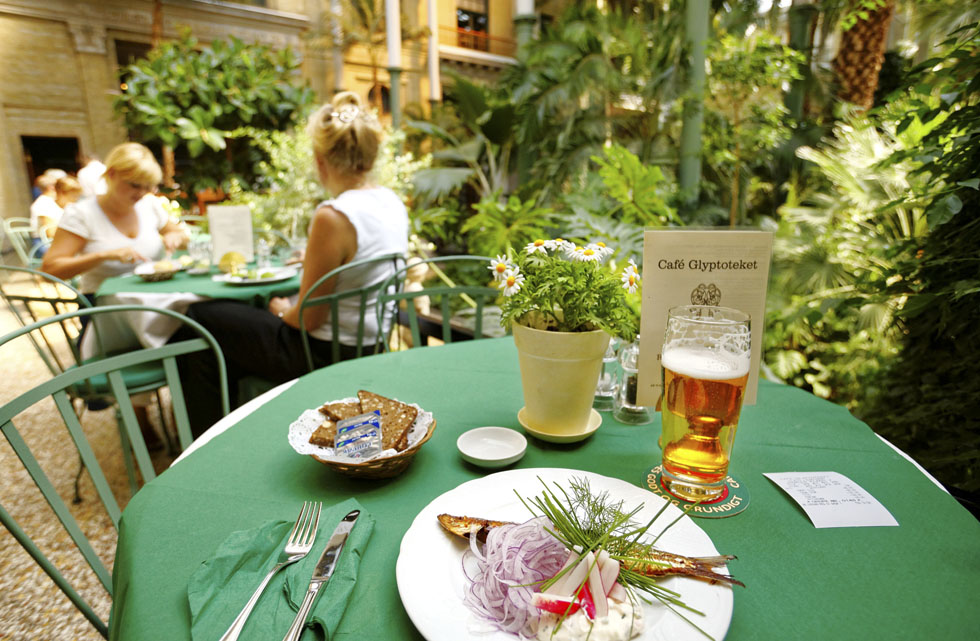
(705, 360)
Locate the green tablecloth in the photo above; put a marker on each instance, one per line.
(202, 285)
(916, 581)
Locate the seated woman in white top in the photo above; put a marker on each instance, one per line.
(45, 215)
(107, 235)
(362, 221)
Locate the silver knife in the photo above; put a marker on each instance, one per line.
(324, 569)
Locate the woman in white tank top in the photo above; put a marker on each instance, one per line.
(362, 221)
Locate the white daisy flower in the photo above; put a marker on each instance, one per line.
(512, 281)
(630, 277)
(499, 267)
(589, 254)
(600, 250)
(538, 246)
(558, 243)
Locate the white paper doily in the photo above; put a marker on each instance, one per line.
(303, 427)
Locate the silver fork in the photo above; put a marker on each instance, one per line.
(298, 545)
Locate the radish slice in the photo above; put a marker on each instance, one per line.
(588, 603)
(597, 591)
(609, 573)
(555, 604)
(568, 585)
(618, 593)
(555, 588)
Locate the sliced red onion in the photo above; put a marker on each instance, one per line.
(505, 574)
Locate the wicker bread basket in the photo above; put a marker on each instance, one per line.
(154, 277)
(380, 468)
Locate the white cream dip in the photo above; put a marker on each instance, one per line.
(621, 624)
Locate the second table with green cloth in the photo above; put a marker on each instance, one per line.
(914, 581)
(137, 329)
(200, 284)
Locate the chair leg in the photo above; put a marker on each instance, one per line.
(169, 435)
(78, 478)
(79, 411)
(127, 453)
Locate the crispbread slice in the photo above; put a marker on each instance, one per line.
(324, 434)
(396, 418)
(340, 411)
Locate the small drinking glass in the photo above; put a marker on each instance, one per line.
(626, 409)
(705, 360)
(608, 385)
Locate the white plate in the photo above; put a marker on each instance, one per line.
(430, 574)
(280, 274)
(491, 447)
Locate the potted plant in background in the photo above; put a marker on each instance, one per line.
(563, 303)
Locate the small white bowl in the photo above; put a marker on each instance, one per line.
(491, 447)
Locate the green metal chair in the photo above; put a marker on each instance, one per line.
(366, 297)
(18, 232)
(59, 389)
(252, 386)
(462, 308)
(31, 295)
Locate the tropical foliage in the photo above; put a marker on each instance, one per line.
(925, 398)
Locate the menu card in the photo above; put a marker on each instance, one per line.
(831, 499)
(722, 267)
(231, 230)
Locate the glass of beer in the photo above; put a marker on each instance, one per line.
(705, 362)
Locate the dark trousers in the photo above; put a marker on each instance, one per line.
(255, 343)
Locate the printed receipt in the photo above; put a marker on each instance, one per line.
(832, 500)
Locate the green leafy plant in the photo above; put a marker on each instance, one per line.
(476, 151)
(745, 83)
(501, 225)
(924, 400)
(288, 186)
(559, 286)
(186, 96)
(641, 190)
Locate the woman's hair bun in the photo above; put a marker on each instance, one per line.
(345, 134)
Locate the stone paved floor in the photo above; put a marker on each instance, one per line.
(31, 606)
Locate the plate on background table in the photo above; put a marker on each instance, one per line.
(271, 275)
(430, 576)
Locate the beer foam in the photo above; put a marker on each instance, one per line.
(705, 363)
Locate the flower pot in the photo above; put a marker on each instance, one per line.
(559, 372)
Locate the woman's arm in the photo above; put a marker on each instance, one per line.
(332, 243)
(64, 260)
(174, 237)
(45, 227)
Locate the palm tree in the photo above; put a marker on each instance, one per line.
(862, 50)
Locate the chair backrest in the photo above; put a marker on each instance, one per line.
(18, 231)
(56, 388)
(366, 301)
(31, 295)
(398, 302)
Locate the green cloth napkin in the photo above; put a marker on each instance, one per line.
(220, 587)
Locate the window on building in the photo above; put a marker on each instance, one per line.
(128, 51)
(385, 98)
(47, 152)
(472, 24)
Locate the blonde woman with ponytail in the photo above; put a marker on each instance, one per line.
(362, 220)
